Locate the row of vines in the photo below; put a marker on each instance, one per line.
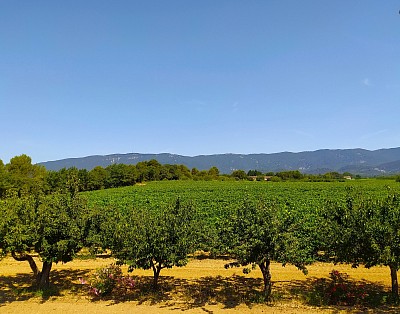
(159, 224)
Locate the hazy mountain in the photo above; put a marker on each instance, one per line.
(356, 161)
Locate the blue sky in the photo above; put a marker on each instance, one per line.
(80, 78)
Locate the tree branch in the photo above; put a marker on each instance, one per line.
(26, 257)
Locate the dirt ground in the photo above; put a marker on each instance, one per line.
(203, 286)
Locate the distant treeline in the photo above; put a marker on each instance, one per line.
(21, 177)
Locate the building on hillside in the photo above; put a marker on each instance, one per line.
(254, 178)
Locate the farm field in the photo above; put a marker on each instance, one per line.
(200, 157)
(216, 198)
(203, 286)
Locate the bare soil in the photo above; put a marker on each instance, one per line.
(203, 286)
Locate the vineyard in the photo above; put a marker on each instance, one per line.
(247, 224)
(217, 191)
(216, 199)
(231, 210)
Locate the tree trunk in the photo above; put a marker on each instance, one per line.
(156, 276)
(156, 272)
(395, 283)
(43, 278)
(265, 270)
(26, 257)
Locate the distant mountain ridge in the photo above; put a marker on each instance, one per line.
(357, 161)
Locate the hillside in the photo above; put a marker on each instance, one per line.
(356, 161)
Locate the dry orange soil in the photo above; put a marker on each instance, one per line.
(203, 286)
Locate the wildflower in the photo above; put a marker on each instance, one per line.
(95, 291)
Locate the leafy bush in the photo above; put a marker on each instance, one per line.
(337, 290)
(108, 279)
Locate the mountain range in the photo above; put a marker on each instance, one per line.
(356, 161)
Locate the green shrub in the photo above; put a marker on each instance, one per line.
(108, 279)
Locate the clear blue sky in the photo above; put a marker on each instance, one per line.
(80, 78)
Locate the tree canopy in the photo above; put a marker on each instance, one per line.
(52, 226)
(258, 233)
(366, 231)
(155, 240)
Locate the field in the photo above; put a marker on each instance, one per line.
(216, 199)
(204, 285)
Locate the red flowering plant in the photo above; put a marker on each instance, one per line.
(108, 279)
(338, 290)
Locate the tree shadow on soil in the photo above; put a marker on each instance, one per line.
(20, 286)
(183, 294)
(378, 300)
(186, 294)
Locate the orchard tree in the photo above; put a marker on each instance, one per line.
(259, 233)
(366, 231)
(155, 239)
(51, 226)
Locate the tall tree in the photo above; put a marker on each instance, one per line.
(51, 226)
(98, 177)
(25, 178)
(155, 239)
(3, 179)
(239, 174)
(366, 230)
(116, 174)
(213, 172)
(258, 233)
